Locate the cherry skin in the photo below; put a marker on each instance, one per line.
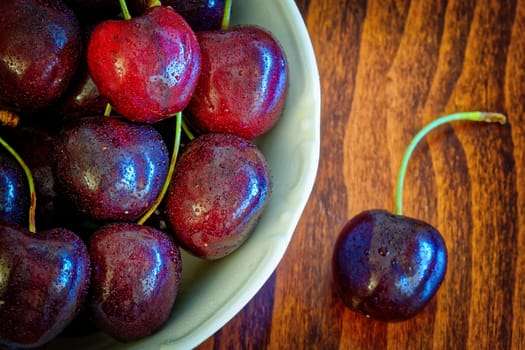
(136, 276)
(82, 98)
(387, 266)
(243, 83)
(44, 278)
(35, 147)
(200, 14)
(39, 52)
(14, 191)
(219, 190)
(110, 168)
(147, 66)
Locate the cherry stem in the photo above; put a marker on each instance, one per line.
(490, 117)
(32, 192)
(226, 16)
(124, 8)
(153, 3)
(107, 110)
(187, 130)
(171, 170)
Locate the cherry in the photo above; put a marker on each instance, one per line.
(14, 193)
(82, 98)
(35, 147)
(201, 14)
(389, 266)
(217, 194)
(147, 66)
(136, 277)
(243, 83)
(44, 278)
(110, 168)
(39, 52)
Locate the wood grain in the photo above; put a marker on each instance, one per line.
(388, 68)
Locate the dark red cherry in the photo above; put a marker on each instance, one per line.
(35, 147)
(136, 276)
(221, 185)
(39, 52)
(110, 168)
(388, 266)
(44, 277)
(82, 98)
(200, 14)
(243, 83)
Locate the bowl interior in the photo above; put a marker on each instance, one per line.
(213, 292)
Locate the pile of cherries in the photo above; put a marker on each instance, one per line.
(134, 128)
(133, 125)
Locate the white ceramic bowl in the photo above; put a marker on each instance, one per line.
(212, 293)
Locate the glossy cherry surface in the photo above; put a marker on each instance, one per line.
(39, 52)
(221, 185)
(14, 190)
(200, 14)
(147, 66)
(388, 266)
(35, 147)
(112, 169)
(136, 277)
(44, 278)
(243, 84)
(82, 97)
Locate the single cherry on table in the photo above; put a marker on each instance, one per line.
(389, 266)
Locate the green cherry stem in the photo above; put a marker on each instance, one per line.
(187, 130)
(171, 170)
(107, 110)
(490, 117)
(32, 192)
(124, 8)
(226, 16)
(153, 3)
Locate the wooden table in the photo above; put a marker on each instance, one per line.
(387, 68)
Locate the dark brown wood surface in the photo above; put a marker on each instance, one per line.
(387, 68)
